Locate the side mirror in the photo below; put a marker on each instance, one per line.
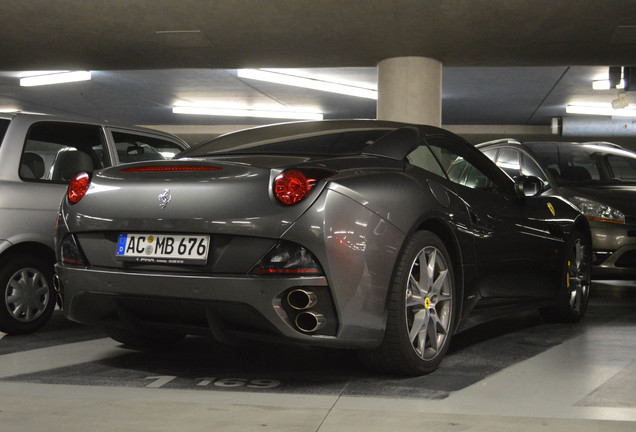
(528, 186)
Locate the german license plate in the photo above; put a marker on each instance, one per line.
(163, 248)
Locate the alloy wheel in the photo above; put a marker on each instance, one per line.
(428, 303)
(578, 276)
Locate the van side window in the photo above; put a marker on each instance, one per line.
(508, 160)
(530, 168)
(4, 125)
(136, 148)
(56, 151)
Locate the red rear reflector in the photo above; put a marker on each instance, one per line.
(78, 187)
(171, 168)
(288, 271)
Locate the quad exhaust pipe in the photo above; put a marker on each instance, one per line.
(310, 322)
(302, 300)
(59, 291)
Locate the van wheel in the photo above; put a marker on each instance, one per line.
(28, 297)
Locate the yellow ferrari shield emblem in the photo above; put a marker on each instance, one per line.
(551, 208)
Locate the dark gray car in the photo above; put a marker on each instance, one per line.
(378, 236)
(39, 155)
(598, 177)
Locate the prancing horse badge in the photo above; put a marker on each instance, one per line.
(551, 208)
(164, 198)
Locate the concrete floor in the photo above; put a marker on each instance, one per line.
(514, 374)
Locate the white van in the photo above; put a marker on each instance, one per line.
(39, 155)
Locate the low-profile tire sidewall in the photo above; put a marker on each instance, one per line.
(8, 267)
(564, 311)
(396, 337)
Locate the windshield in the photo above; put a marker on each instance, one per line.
(586, 164)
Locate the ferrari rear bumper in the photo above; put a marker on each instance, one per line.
(221, 305)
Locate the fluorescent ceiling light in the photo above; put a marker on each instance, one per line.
(297, 79)
(604, 109)
(605, 85)
(55, 78)
(248, 112)
(25, 74)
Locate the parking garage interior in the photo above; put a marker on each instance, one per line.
(506, 70)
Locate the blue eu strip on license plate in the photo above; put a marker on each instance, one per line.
(163, 248)
(121, 244)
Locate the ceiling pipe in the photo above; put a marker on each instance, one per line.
(604, 127)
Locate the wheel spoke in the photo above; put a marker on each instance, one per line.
(436, 289)
(579, 254)
(575, 300)
(19, 309)
(415, 296)
(437, 329)
(40, 291)
(420, 322)
(430, 268)
(441, 298)
(432, 338)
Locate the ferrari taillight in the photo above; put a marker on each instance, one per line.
(293, 185)
(78, 187)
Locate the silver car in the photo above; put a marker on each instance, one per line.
(598, 177)
(39, 155)
(379, 236)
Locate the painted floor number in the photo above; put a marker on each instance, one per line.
(162, 380)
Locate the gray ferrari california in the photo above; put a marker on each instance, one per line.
(378, 236)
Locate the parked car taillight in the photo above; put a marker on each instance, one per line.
(293, 185)
(78, 187)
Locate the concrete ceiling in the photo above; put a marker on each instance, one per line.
(505, 62)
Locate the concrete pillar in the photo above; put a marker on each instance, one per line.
(410, 90)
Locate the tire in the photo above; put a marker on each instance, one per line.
(145, 341)
(574, 291)
(28, 296)
(422, 308)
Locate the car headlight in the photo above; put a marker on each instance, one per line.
(597, 211)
